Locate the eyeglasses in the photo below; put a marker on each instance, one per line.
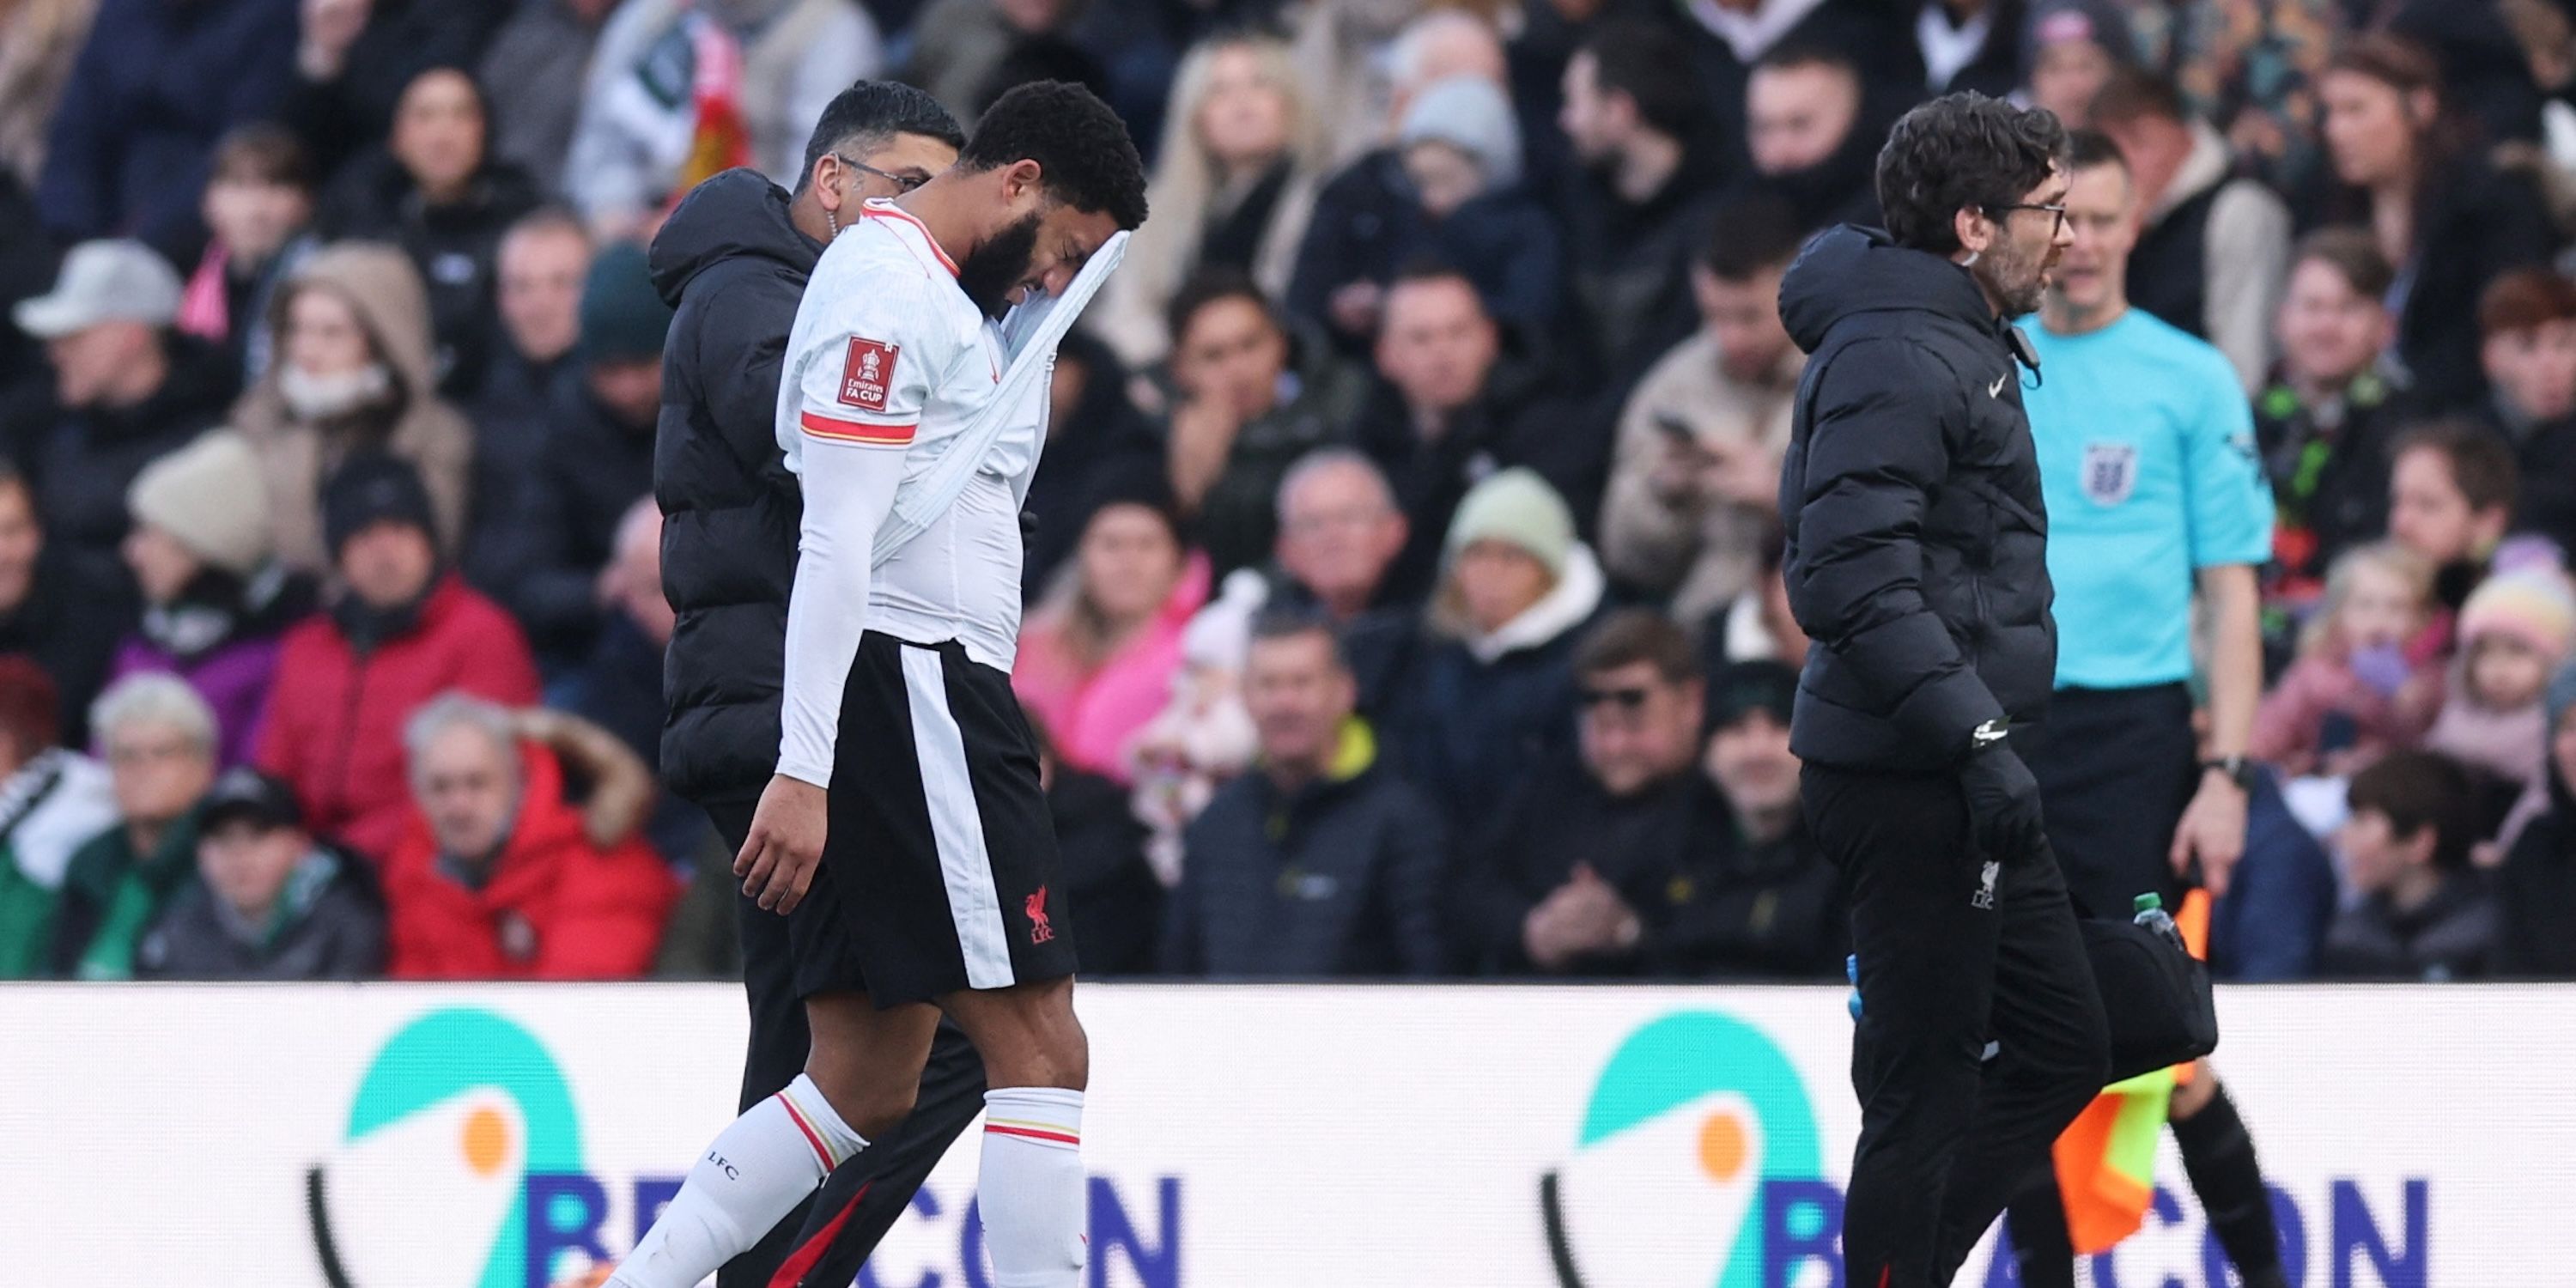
(1624, 699)
(2058, 210)
(901, 182)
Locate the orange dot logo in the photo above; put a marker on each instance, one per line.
(1721, 1147)
(487, 1140)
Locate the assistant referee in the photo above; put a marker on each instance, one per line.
(2156, 496)
(1916, 562)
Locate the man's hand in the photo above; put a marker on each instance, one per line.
(2003, 803)
(786, 841)
(2212, 830)
(1202, 439)
(1745, 475)
(330, 27)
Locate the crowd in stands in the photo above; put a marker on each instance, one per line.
(1403, 586)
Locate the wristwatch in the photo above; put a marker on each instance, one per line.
(2238, 769)
(1986, 735)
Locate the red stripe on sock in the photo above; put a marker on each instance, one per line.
(1033, 1135)
(792, 1271)
(812, 1137)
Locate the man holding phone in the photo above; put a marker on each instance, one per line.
(1695, 481)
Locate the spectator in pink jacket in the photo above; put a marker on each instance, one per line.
(2364, 682)
(1097, 657)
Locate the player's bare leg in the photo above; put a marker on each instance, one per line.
(859, 1081)
(1032, 1190)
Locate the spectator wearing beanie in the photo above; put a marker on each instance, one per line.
(51, 800)
(596, 460)
(215, 603)
(1493, 695)
(497, 876)
(1461, 147)
(2537, 888)
(353, 373)
(2514, 632)
(402, 631)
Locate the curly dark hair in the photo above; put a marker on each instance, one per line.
(1083, 151)
(1962, 152)
(868, 115)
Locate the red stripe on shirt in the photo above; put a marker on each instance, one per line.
(1057, 1136)
(883, 209)
(855, 431)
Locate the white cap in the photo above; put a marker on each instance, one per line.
(103, 281)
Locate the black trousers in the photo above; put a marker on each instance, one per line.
(2116, 769)
(832, 1233)
(1957, 950)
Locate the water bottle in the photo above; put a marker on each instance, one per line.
(2152, 915)
(1851, 971)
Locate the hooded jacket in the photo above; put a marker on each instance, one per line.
(455, 246)
(552, 905)
(733, 266)
(296, 454)
(1917, 539)
(1482, 711)
(333, 730)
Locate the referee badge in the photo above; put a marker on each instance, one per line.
(2110, 472)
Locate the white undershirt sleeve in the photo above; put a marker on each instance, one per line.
(848, 491)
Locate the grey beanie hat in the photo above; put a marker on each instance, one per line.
(1471, 114)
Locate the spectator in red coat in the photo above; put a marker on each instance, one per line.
(402, 631)
(497, 877)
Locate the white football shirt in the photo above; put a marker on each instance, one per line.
(887, 360)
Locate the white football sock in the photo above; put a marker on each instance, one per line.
(1033, 1194)
(757, 1170)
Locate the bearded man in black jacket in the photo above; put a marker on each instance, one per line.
(1916, 563)
(733, 261)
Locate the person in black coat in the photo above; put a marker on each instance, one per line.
(127, 389)
(156, 85)
(1457, 397)
(64, 610)
(1319, 862)
(353, 58)
(2424, 915)
(2527, 329)
(1572, 874)
(597, 458)
(732, 261)
(2407, 163)
(434, 190)
(1116, 899)
(1809, 143)
(2536, 888)
(1917, 565)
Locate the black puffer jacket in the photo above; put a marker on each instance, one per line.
(733, 266)
(1917, 541)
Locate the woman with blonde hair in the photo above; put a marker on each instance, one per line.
(1243, 152)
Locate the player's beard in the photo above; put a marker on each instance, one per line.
(1001, 264)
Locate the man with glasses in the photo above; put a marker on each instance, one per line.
(1575, 876)
(2156, 497)
(1917, 565)
(733, 260)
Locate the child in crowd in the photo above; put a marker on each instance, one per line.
(2365, 681)
(2514, 632)
(2424, 913)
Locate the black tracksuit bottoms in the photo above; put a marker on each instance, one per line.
(827, 1238)
(1958, 950)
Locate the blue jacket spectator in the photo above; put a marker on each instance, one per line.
(158, 83)
(1496, 697)
(2279, 900)
(1319, 862)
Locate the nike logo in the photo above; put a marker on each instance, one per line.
(1996, 390)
